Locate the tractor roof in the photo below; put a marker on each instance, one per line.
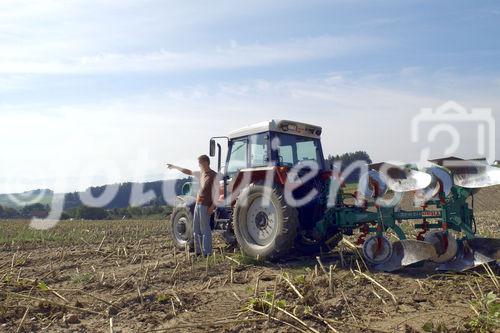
(276, 125)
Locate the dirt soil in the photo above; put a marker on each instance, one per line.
(124, 276)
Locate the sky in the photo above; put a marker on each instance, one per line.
(97, 92)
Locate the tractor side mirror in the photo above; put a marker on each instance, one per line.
(212, 147)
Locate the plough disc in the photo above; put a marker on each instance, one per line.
(489, 177)
(440, 181)
(372, 184)
(470, 173)
(442, 176)
(402, 179)
(377, 250)
(407, 252)
(473, 253)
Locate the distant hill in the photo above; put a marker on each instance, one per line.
(19, 200)
(121, 200)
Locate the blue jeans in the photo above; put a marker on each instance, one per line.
(201, 230)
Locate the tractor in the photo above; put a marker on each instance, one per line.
(276, 194)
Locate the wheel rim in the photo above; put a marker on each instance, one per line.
(180, 229)
(377, 253)
(261, 221)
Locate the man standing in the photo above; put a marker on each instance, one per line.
(204, 204)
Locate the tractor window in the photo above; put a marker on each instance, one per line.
(258, 150)
(294, 149)
(237, 157)
(306, 151)
(285, 155)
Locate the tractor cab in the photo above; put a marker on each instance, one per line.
(267, 145)
(281, 156)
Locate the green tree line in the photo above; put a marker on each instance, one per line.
(347, 159)
(87, 213)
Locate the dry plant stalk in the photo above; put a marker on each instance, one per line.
(355, 248)
(303, 323)
(348, 306)
(100, 244)
(54, 303)
(379, 285)
(324, 321)
(292, 286)
(278, 320)
(234, 260)
(22, 320)
(173, 307)
(491, 275)
(274, 297)
(206, 265)
(256, 290)
(175, 270)
(321, 265)
(236, 296)
(330, 279)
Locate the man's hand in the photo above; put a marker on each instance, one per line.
(175, 167)
(211, 210)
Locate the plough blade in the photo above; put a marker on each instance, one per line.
(488, 177)
(407, 252)
(470, 173)
(487, 246)
(402, 179)
(473, 253)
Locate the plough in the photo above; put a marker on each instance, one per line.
(444, 210)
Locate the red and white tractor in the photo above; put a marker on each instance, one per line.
(276, 193)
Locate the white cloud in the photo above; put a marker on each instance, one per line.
(233, 56)
(95, 37)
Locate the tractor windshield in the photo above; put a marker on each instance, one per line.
(294, 149)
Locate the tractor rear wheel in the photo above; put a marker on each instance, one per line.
(182, 227)
(264, 225)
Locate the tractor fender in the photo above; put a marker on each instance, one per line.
(249, 176)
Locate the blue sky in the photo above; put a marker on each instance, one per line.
(103, 91)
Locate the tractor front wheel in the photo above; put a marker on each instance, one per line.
(264, 225)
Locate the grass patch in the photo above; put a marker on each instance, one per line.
(487, 310)
(259, 304)
(19, 232)
(84, 278)
(243, 259)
